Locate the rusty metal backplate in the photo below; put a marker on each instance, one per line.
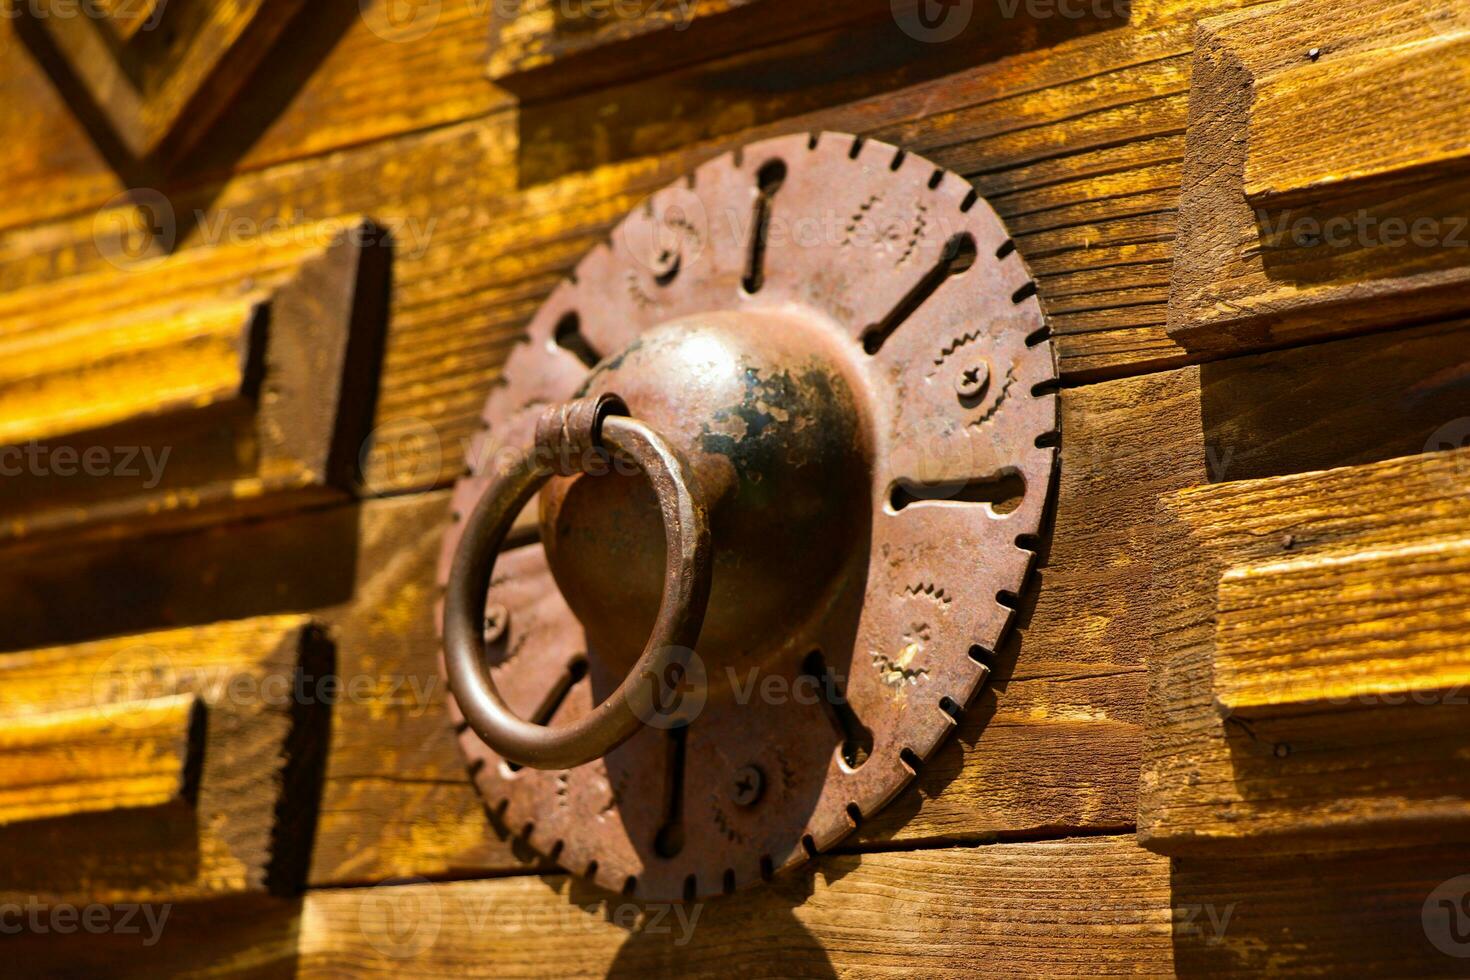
(934, 313)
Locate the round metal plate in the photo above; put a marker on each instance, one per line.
(962, 409)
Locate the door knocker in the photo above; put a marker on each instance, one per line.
(792, 435)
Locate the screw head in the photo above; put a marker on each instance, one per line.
(749, 783)
(497, 618)
(972, 379)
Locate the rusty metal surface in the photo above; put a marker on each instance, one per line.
(873, 514)
(570, 440)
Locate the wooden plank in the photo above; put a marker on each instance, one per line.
(1373, 625)
(992, 910)
(1371, 771)
(1426, 84)
(350, 76)
(127, 756)
(1061, 908)
(543, 49)
(1284, 239)
(189, 410)
(1098, 907)
(253, 769)
(56, 380)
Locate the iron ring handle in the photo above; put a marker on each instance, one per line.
(567, 440)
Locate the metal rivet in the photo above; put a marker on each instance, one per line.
(497, 618)
(972, 379)
(749, 784)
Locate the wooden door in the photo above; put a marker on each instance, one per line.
(261, 262)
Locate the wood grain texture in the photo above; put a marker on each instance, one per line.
(157, 77)
(1076, 140)
(997, 911)
(247, 937)
(256, 765)
(543, 49)
(128, 756)
(1319, 195)
(1381, 624)
(190, 409)
(1425, 81)
(1378, 768)
(1099, 907)
(1087, 907)
(1052, 744)
(1077, 134)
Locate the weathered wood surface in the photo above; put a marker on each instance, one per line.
(544, 49)
(1085, 907)
(252, 750)
(1384, 622)
(1352, 702)
(1052, 744)
(1061, 908)
(1303, 214)
(134, 755)
(1074, 131)
(190, 411)
(1077, 144)
(158, 76)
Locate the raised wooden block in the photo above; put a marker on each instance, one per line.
(1326, 185)
(1383, 113)
(1306, 685)
(123, 411)
(1379, 625)
(545, 48)
(156, 75)
(128, 756)
(116, 787)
